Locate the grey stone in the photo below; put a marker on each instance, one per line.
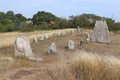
(70, 44)
(52, 48)
(87, 36)
(78, 29)
(35, 40)
(22, 47)
(58, 34)
(101, 32)
(46, 36)
(92, 38)
(81, 42)
(42, 37)
(55, 34)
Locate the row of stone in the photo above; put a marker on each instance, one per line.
(22, 47)
(52, 46)
(56, 34)
(35, 40)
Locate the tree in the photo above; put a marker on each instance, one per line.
(110, 23)
(81, 20)
(7, 21)
(84, 21)
(43, 16)
(19, 18)
(62, 23)
(10, 15)
(1, 27)
(2, 15)
(10, 26)
(116, 26)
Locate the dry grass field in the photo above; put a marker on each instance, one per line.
(91, 61)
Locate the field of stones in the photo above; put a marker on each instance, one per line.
(61, 55)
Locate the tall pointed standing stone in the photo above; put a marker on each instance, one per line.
(22, 47)
(101, 32)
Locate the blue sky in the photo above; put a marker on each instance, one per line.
(63, 8)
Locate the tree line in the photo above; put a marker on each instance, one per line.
(45, 20)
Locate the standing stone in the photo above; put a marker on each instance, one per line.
(87, 36)
(58, 34)
(92, 38)
(22, 47)
(70, 44)
(42, 37)
(81, 42)
(35, 40)
(55, 34)
(101, 32)
(46, 36)
(52, 48)
(78, 29)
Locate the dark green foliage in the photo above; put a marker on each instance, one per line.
(19, 18)
(40, 21)
(10, 15)
(9, 21)
(7, 26)
(116, 27)
(88, 21)
(111, 23)
(27, 28)
(43, 16)
(81, 20)
(62, 23)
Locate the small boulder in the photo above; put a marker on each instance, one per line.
(46, 36)
(70, 44)
(42, 37)
(59, 34)
(52, 48)
(35, 40)
(87, 36)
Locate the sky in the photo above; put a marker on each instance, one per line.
(63, 8)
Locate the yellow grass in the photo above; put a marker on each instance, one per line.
(89, 66)
(81, 66)
(7, 39)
